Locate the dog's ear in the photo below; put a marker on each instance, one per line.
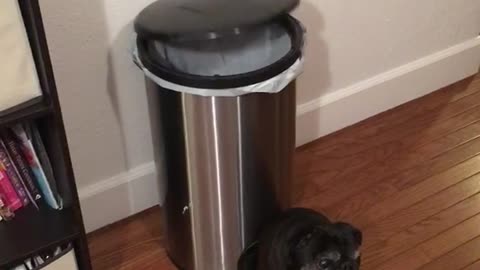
(351, 231)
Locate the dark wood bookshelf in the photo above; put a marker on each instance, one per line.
(31, 110)
(32, 230)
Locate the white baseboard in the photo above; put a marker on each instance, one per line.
(119, 197)
(350, 105)
(130, 192)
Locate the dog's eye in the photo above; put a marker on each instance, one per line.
(325, 263)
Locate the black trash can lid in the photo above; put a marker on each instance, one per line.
(165, 18)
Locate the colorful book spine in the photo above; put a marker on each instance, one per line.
(36, 138)
(2, 204)
(6, 163)
(21, 164)
(11, 198)
(34, 163)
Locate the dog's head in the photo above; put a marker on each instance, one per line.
(326, 247)
(306, 240)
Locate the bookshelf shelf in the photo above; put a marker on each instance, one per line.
(31, 110)
(33, 230)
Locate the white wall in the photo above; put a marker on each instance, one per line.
(350, 41)
(104, 104)
(363, 57)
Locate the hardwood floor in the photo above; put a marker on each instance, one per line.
(409, 178)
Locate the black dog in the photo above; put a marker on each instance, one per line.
(303, 239)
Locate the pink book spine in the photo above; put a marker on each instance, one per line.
(11, 197)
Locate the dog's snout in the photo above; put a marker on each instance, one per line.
(347, 266)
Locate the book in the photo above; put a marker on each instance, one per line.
(5, 213)
(9, 194)
(1, 205)
(21, 165)
(6, 163)
(34, 134)
(32, 159)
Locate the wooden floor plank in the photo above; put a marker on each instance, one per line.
(473, 266)
(462, 233)
(417, 257)
(130, 243)
(410, 260)
(419, 192)
(409, 178)
(457, 259)
(391, 185)
(369, 167)
(340, 166)
(384, 228)
(380, 185)
(433, 237)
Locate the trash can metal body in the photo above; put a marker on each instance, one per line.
(228, 163)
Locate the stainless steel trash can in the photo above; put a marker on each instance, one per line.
(227, 129)
(228, 165)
